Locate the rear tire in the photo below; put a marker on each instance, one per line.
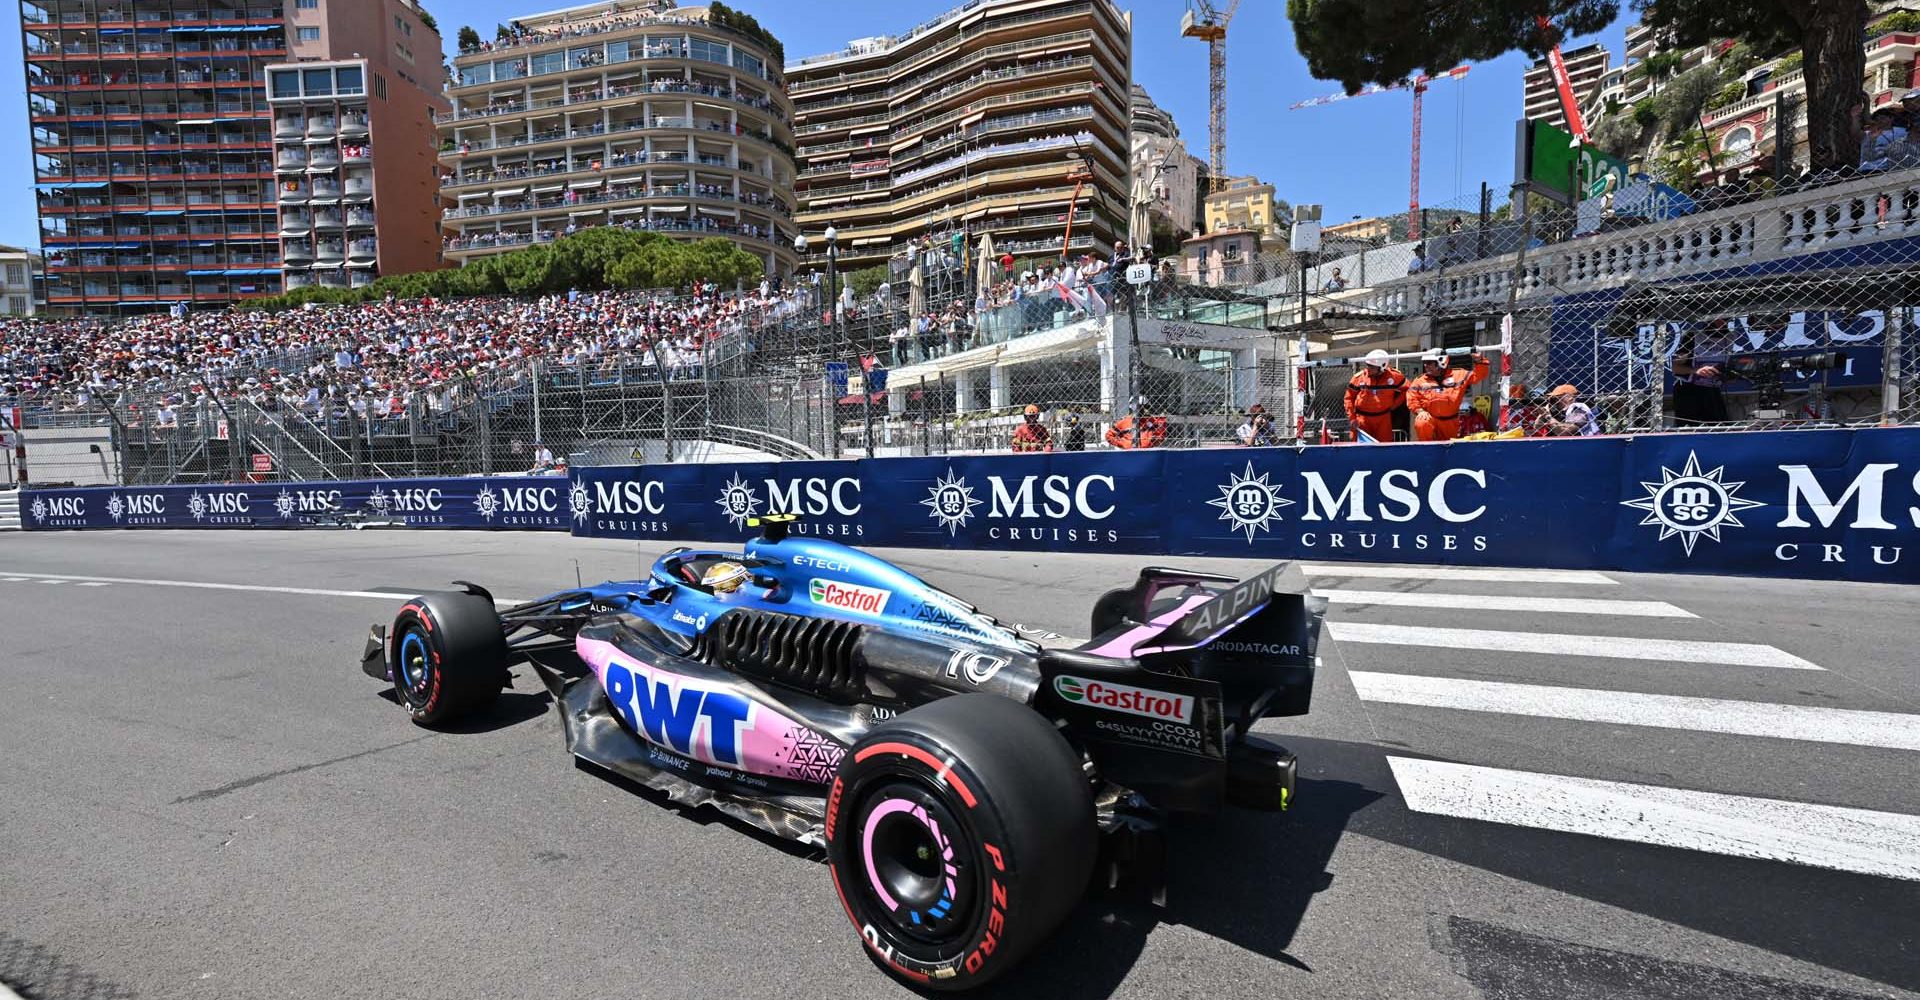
(959, 835)
(448, 656)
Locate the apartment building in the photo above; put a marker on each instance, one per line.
(1586, 66)
(19, 273)
(627, 112)
(994, 117)
(1164, 169)
(153, 136)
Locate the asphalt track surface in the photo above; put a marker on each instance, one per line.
(203, 797)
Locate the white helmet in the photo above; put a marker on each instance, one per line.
(1434, 355)
(1376, 358)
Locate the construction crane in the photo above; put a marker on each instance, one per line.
(1207, 20)
(1419, 87)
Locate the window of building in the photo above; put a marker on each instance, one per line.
(700, 48)
(616, 52)
(17, 305)
(748, 62)
(549, 62)
(307, 4)
(306, 34)
(509, 69)
(286, 83)
(1738, 140)
(472, 75)
(319, 82)
(16, 274)
(349, 80)
(379, 86)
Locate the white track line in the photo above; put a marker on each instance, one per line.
(1852, 727)
(259, 588)
(1835, 837)
(1678, 651)
(1473, 574)
(1485, 602)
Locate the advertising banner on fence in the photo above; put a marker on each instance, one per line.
(516, 503)
(1834, 504)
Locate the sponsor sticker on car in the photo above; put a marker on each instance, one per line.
(848, 596)
(1124, 698)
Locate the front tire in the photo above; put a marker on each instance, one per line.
(959, 835)
(448, 656)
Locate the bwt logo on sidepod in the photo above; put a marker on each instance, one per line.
(675, 713)
(951, 502)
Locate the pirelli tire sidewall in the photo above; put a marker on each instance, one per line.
(465, 656)
(1025, 841)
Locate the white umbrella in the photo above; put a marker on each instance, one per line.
(916, 291)
(983, 275)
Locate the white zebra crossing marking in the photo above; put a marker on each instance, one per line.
(1707, 715)
(1682, 651)
(1482, 602)
(1835, 837)
(1474, 574)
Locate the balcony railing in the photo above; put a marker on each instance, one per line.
(617, 194)
(661, 87)
(1865, 210)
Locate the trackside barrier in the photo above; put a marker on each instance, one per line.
(1835, 504)
(513, 503)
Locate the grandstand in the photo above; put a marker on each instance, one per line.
(476, 386)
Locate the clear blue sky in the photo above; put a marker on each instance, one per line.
(1350, 157)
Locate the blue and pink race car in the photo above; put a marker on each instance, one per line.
(964, 776)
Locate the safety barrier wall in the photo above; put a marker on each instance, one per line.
(1837, 504)
(516, 503)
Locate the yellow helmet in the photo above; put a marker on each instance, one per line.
(724, 577)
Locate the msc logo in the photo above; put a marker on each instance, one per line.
(950, 502)
(516, 500)
(1691, 503)
(810, 496)
(1249, 503)
(675, 713)
(202, 506)
(738, 501)
(415, 500)
(291, 502)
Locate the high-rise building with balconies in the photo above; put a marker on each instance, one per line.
(626, 113)
(1586, 66)
(991, 118)
(347, 216)
(153, 136)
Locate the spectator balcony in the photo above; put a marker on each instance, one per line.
(329, 251)
(320, 128)
(1852, 213)
(295, 222)
(356, 152)
(353, 125)
(359, 277)
(358, 187)
(326, 218)
(294, 192)
(323, 159)
(296, 250)
(298, 279)
(359, 217)
(289, 127)
(291, 160)
(332, 278)
(325, 190)
(363, 250)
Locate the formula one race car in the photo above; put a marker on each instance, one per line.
(963, 776)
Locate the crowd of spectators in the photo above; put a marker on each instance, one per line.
(375, 359)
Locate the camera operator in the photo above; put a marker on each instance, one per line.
(1257, 430)
(1697, 397)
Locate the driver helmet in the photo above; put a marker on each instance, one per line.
(1376, 358)
(724, 577)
